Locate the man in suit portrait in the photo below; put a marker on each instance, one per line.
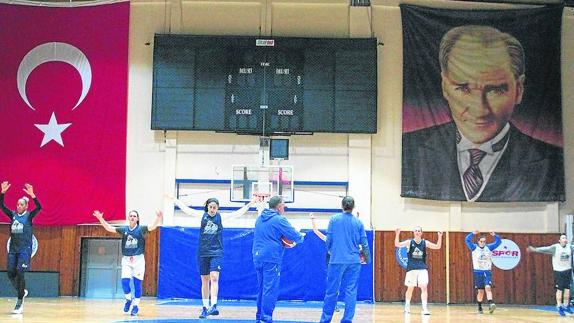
(480, 155)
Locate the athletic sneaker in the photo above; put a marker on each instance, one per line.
(127, 305)
(407, 309)
(480, 311)
(213, 310)
(135, 310)
(19, 308)
(203, 313)
(567, 309)
(559, 308)
(491, 308)
(425, 312)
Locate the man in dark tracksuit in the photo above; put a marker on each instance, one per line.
(270, 227)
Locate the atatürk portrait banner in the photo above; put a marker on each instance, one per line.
(482, 110)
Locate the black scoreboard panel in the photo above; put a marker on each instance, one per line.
(268, 85)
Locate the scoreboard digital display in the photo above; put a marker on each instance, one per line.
(264, 85)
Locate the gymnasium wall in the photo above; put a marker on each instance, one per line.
(371, 163)
(530, 282)
(59, 250)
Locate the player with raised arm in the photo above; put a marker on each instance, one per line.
(417, 269)
(482, 267)
(210, 251)
(562, 264)
(133, 249)
(21, 232)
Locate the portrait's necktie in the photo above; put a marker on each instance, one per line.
(472, 177)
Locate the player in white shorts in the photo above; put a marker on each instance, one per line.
(417, 269)
(133, 266)
(133, 249)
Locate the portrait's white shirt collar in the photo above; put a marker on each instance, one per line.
(487, 146)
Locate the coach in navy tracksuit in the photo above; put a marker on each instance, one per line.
(20, 252)
(345, 234)
(268, 251)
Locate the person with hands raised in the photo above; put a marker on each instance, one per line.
(21, 233)
(210, 250)
(417, 269)
(482, 267)
(133, 249)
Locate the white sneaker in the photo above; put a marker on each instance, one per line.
(407, 309)
(425, 312)
(19, 308)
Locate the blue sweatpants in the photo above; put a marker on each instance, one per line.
(268, 275)
(344, 277)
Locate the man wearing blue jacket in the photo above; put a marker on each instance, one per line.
(345, 234)
(482, 266)
(270, 227)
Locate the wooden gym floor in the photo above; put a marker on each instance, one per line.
(74, 309)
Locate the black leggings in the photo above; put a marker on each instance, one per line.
(17, 279)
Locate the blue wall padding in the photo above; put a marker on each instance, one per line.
(303, 272)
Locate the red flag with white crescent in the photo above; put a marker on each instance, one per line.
(63, 108)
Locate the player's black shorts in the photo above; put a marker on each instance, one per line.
(562, 279)
(19, 261)
(208, 264)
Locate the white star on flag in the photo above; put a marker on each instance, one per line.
(52, 130)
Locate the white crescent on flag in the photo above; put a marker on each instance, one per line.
(54, 52)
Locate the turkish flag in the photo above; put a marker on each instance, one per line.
(63, 108)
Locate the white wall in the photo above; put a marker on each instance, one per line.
(370, 163)
(322, 157)
(145, 177)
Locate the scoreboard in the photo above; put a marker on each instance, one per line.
(264, 85)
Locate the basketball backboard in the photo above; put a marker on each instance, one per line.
(247, 181)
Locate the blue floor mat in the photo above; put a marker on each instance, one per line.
(248, 303)
(545, 308)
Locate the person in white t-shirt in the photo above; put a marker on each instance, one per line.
(562, 264)
(482, 267)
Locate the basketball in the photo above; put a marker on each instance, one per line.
(362, 257)
(287, 243)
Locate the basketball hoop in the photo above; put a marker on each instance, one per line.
(263, 182)
(261, 196)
